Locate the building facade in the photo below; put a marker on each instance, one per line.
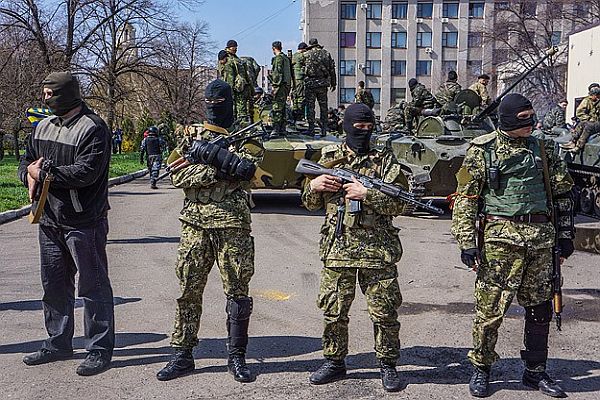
(584, 58)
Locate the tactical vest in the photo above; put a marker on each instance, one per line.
(514, 186)
(212, 194)
(153, 145)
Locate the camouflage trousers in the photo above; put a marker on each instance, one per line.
(583, 132)
(243, 104)
(506, 270)
(380, 287)
(318, 94)
(299, 103)
(233, 251)
(279, 102)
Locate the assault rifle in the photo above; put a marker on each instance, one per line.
(40, 194)
(556, 273)
(221, 141)
(308, 167)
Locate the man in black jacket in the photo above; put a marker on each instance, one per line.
(152, 146)
(74, 226)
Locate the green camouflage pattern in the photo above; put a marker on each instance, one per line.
(394, 118)
(318, 94)
(506, 270)
(555, 118)
(365, 97)
(234, 73)
(588, 110)
(281, 79)
(199, 248)
(382, 292)
(299, 96)
(447, 92)
(319, 68)
(369, 239)
(482, 92)
(421, 99)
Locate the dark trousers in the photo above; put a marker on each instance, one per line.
(63, 254)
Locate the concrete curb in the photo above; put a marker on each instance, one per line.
(11, 215)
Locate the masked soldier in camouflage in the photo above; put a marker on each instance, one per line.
(215, 227)
(281, 79)
(504, 171)
(367, 248)
(364, 96)
(299, 98)
(449, 89)
(233, 71)
(319, 75)
(421, 99)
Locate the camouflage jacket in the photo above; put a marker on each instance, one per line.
(364, 96)
(472, 179)
(298, 65)
(422, 97)
(482, 91)
(555, 118)
(447, 92)
(234, 72)
(212, 201)
(394, 118)
(369, 239)
(281, 71)
(588, 110)
(319, 68)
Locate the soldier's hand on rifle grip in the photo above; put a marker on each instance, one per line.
(566, 248)
(471, 258)
(355, 190)
(325, 183)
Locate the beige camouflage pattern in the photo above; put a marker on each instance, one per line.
(517, 257)
(588, 110)
(364, 96)
(555, 118)
(482, 92)
(447, 92)
(233, 251)
(394, 118)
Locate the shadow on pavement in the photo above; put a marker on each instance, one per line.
(33, 305)
(145, 240)
(280, 202)
(123, 193)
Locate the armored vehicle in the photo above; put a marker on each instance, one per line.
(584, 167)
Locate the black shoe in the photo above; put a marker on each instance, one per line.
(44, 356)
(236, 365)
(330, 371)
(479, 385)
(96, 361)
(153, 184)
(542, 382)
(389, 378)
(181, 363)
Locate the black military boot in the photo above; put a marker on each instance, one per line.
(153, 184)
(542, 382)
(97, 361)
(238, 320)
(479, 385)
(389, 377)
(44, 356)
(181, 363)
(330, 371)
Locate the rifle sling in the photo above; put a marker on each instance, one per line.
(546, 172)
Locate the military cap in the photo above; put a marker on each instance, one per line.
(313, 42)
(302, 46)
(483, 76)
(595, 91)
(593, 85)
(231, 43)
(222, 55)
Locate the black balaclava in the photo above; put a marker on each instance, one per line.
(220, 114)
(65, 92)
(358, 139)
(412, 83)
(510, 106)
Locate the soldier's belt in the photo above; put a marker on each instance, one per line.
(529, 218)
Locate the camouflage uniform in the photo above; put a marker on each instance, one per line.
(421, 99)
(299, 104)
(234, 73)
(447, 92)
(517, 256)
(482, 91)
(215, 227)
(281, 79)
(588, 113)
(320, 74)
(364, 96)
(555, 118)
(394, 118)
(368, 250)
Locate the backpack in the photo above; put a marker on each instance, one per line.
(252, 68)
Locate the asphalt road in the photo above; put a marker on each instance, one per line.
(286, 325)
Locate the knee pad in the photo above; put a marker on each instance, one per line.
(239, 309)
(540, 314)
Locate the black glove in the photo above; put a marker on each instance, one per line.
(566, 247)
(470, 256)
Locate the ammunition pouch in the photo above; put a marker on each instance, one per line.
(364, 219)
(212, 194)
(565, 221)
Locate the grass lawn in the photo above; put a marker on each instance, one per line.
(13, 195)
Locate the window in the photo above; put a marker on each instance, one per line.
(348, 67)
(348, 10)
(399, 10)
(423, 68)
(450, 10)
(528, 8)
(424, 10)
(449, 39)
(556, 37)
(373, 67)
(502, 5)
(397, 95)
(475, 39)
(474, 67)
(347, 95)
(376, 92)
(399, 40)
(374, 11)
(374, 40)
(347, 39)
(476, 10)
(448, 66)
(423, 39)
(398, 67)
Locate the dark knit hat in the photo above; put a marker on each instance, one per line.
(302, 46)
(222, 55)
(452, 76)
(483, 76)
(313, 42)
(276, 45)
(412, 83)
(231, 43)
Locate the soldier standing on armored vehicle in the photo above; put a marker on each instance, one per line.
(480, 87)
(281, 80)
(364, 96)
(588, 113)
(299, 98)
(233, 71)
(555, 118)
(320, 74)
(215, 227)
(363, 245)
(421, 99)
(508, 172)
(449, 89)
